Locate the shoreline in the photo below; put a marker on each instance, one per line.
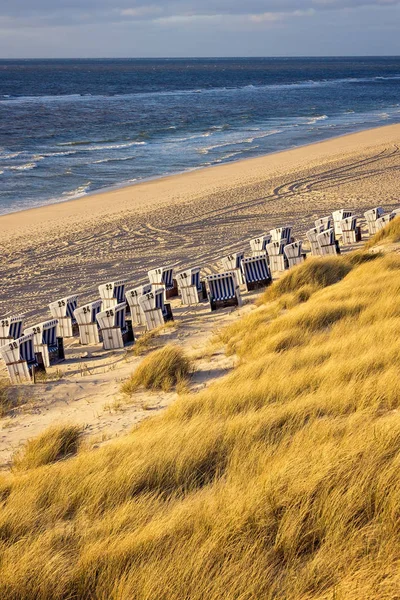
(119, 189)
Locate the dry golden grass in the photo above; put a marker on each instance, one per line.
(6, 402)
(161, 370)
(390, 233)
(56, 443)
(280, 481)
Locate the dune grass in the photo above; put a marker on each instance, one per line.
(56, 443)
(280, 481)
(390, 233)
(163, 369)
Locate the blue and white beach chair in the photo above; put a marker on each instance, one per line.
(115, 329)
(190, 286)
(223, 290)
(294, 254)
(46, 342)
(112, 293)
(384, 220)
(233, 263)
(312, 235)
(328, 245)
(164, 276)
(256, 272)
(282, 233)
(10, 328)
(132, 297)
(258, 245)
(88, 326)
(371, 217)
(20, 359)
(155, 310)
(276, 256)
(338, 216)
(351, 232)
(63, 311)
(324, 223)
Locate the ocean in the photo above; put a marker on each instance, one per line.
(71, 127)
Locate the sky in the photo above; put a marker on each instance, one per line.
(185, 28)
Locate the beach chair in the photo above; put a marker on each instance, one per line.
(223, 290)
(328, 245)
(115, 329)
(256, 272)
(294, 254)
(164, 276)
(63, 311)
(190, 287)
(324, 223)
(258, 245)
(132, 297)
(154, 308)
(10, 328)
(351, 232)
(232, 263)
(383, 221)
(282, 233)
(338, 217)
(311, 235)
(276, 256)
(371, 217)
(46, 342)
(112, 293)
(88, 326)
(20, 359)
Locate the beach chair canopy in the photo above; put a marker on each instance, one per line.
(255, 269)
(374, 213)
(132, 296)
(384, 220)
(190, 277)
(276, 248)
(349, 223)
(11, 327)
(324, 222)
(259, 244)
(281, 233)
(86, 315)
(311, 234)
(222, 286)
(64, 307)
(21, 349)
(112, 317)
(44, 334)
(162, 275)
(326, 238)
(153, 299)
(113, 289)
(293, 250)
(232, 261)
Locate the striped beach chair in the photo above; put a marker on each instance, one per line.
(324, 223)
(338, 216)
(63, 311)
(223, 290)
(294, 254)
(115, 329)
(154, 308)
(233, 262)
(383, 221)
(351, 232)
(371, 217)
(10, 328)
(46, 342)
(256, 272)
(258, 245)
(164, 276)
(276, 256)
(190, 286)
(312, 235)
(20, 359)
(112, 293)
(85, 316)
(328, 244)
(282, 233)
(132, 297)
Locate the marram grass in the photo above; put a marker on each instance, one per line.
(280, 481)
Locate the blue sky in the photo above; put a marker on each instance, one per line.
(178, 28)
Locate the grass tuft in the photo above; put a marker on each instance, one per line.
(390, 233)
(56, 443)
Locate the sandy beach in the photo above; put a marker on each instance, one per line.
(184, 220)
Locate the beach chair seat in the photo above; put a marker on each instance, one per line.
(46, 342)
(164, 276)
(63, 311)
(132, 298)
(233, 262)
(328, 244)
(112, 293)
(324, 223)
(294, 254)
(384, 220)
(191, 288)
(312, 235)
(276, 256)
(115, 329)
(351, 232)
(371, 217)
(10, 328)
(89, 332)
(282, 233)
(156, 311)
(338, 216)
(223, 290)
(256, 272)
(20, 359)
(258, 245)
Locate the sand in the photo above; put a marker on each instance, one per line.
(189, 219)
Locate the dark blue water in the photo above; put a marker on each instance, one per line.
(70, 127)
